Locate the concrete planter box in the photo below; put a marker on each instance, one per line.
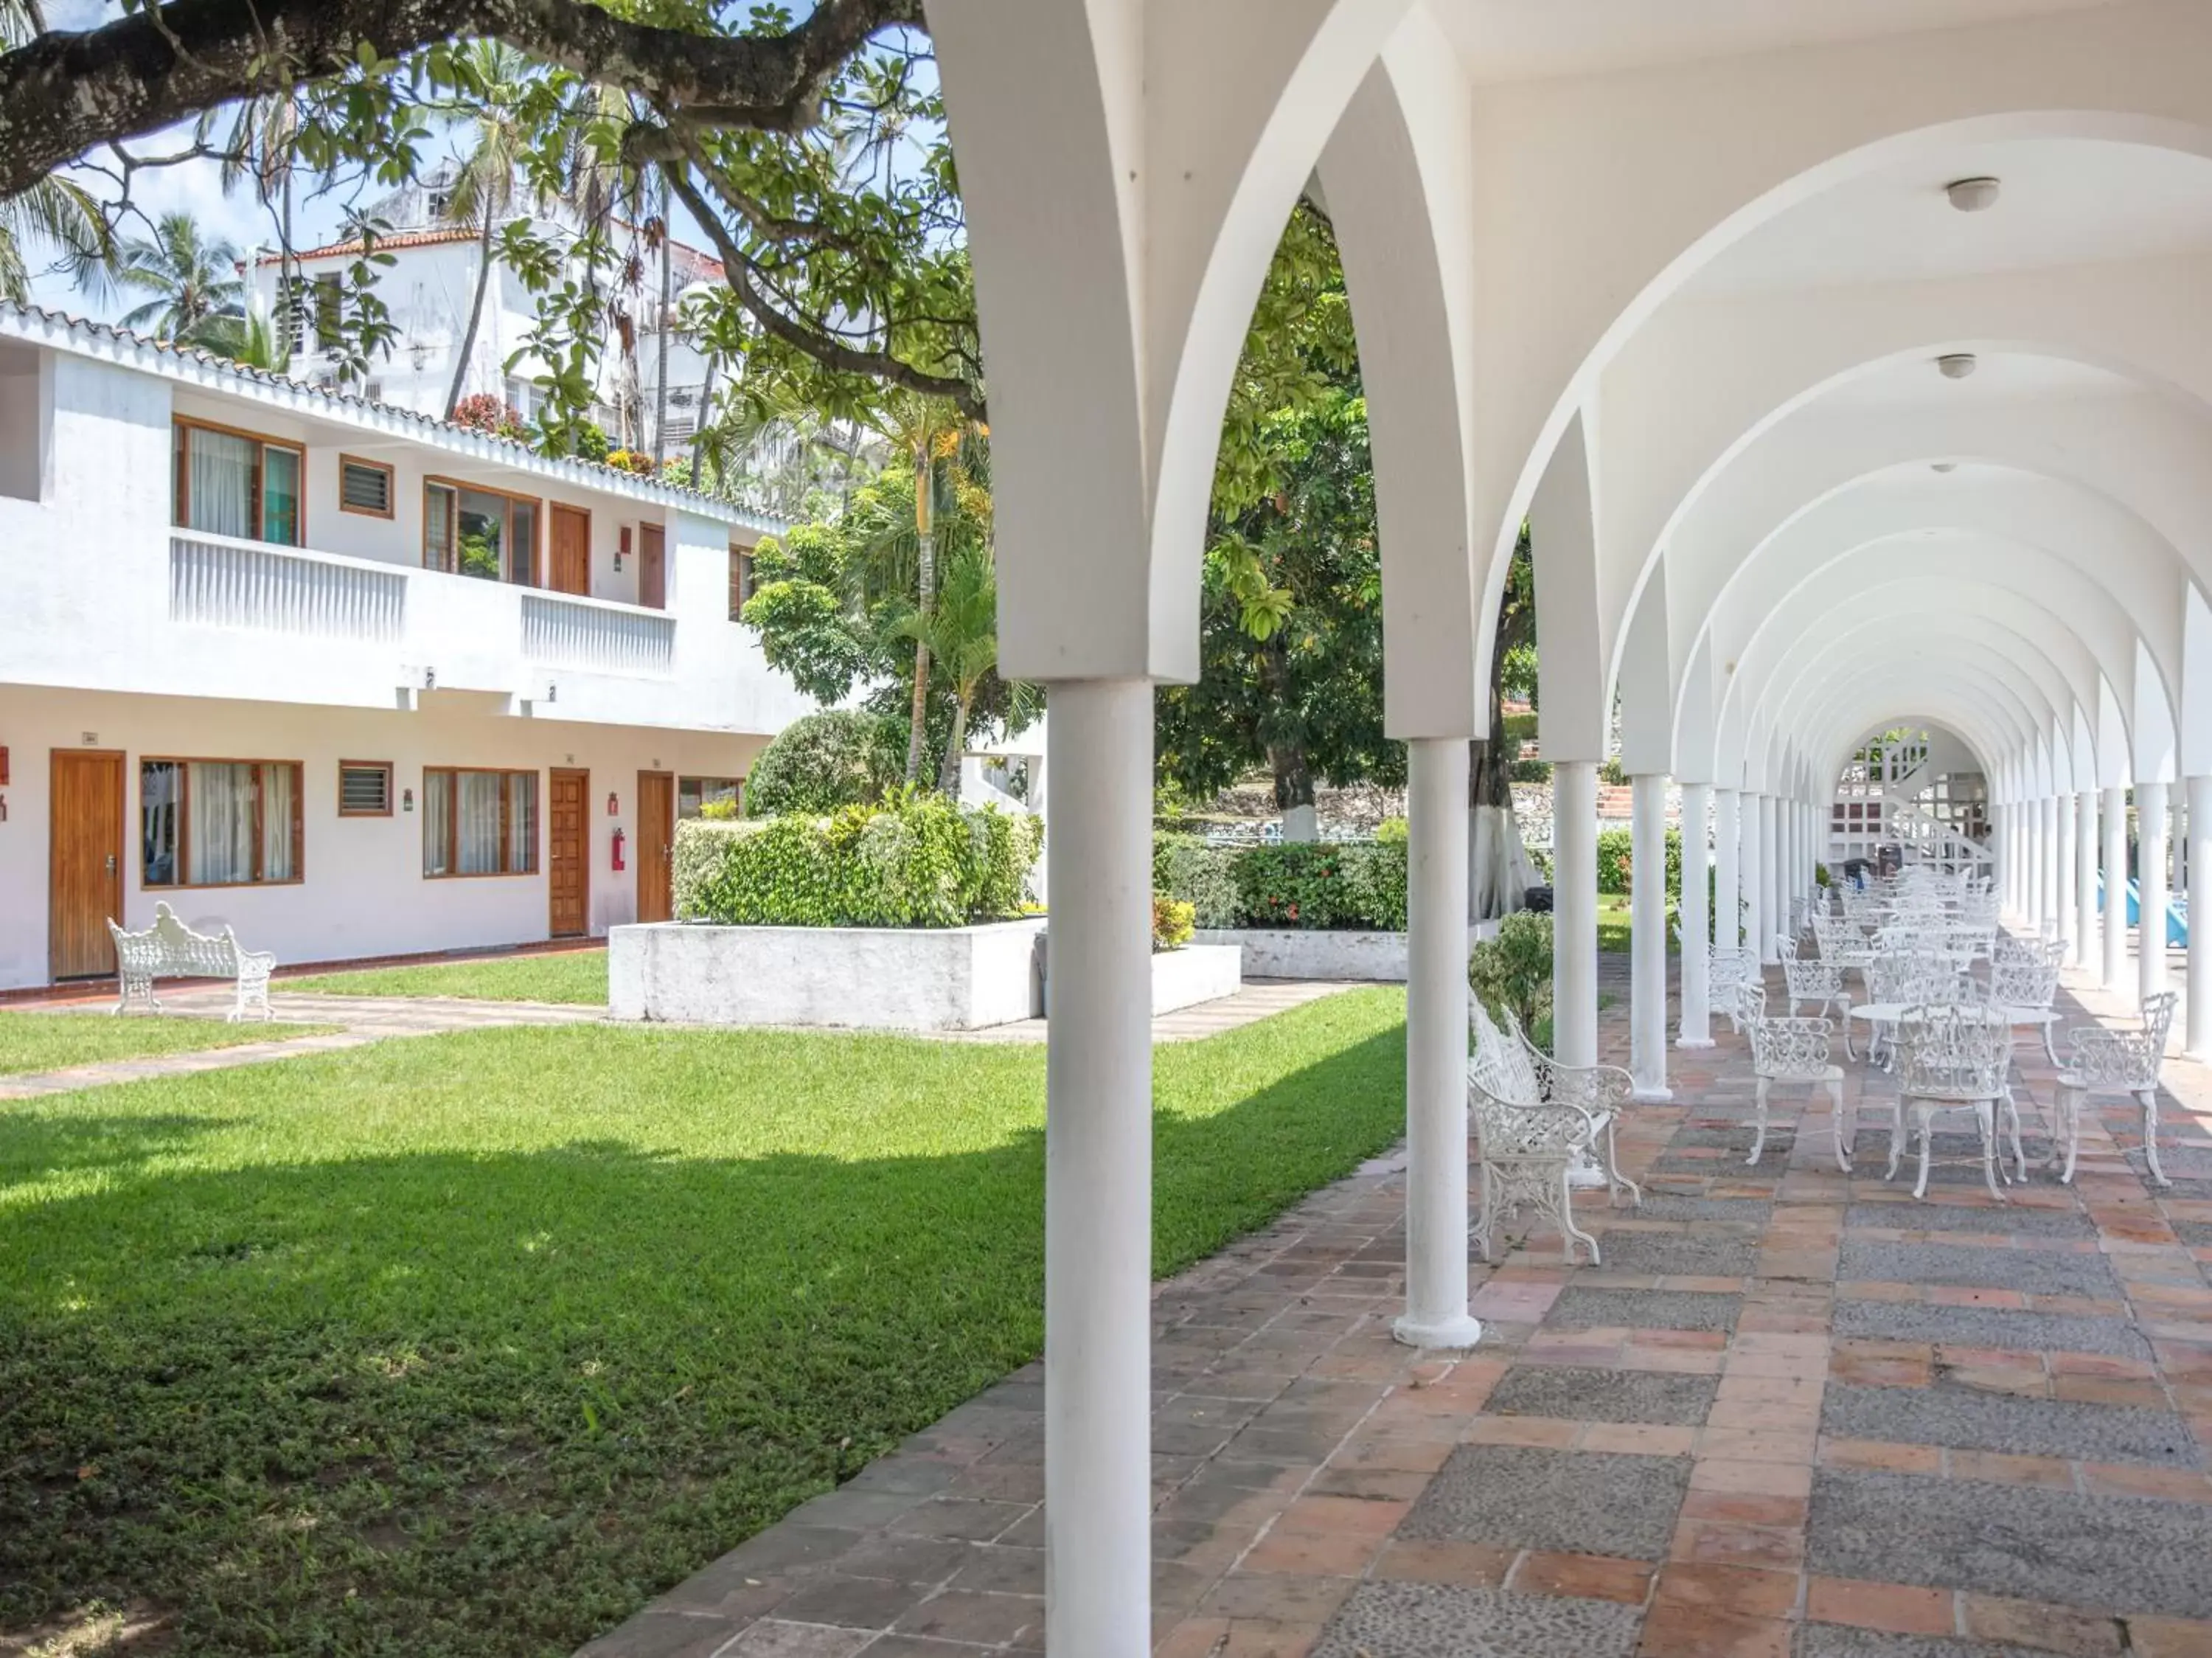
(1195, 974)
(890, 979)
(1308, 953)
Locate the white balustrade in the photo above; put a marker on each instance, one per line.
(565, 632)
(217, 580)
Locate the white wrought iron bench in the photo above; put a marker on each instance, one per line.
(169, 949)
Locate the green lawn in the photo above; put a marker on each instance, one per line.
(52, 1041)
(1612, 928)
(577, 976)
(468, 1344)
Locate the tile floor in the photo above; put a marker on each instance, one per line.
(1795, 1415)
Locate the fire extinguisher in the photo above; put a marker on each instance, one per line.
(618, 850)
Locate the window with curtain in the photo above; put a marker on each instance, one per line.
(219, 823)
(235, 483)
(694, 793)
(478, 822)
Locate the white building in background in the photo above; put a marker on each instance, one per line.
(430, 286)
(355, 681)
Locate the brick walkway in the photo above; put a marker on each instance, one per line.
(1795, 1414)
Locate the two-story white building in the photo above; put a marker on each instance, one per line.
(356, 681)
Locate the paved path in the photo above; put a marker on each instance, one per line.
(365, 1019)
(1796, 1415)
(361, 1019)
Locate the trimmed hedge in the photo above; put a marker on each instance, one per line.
(841, 757)
(1316, 885)
(916, 861)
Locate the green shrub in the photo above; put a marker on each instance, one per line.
(1615, 861)
(1512, 972)
(1185, 868)
(916, 861)
(719, 811)
(1392, 831)
(1171, 923)
(1528, 771)
(1375, 877)
(825, 761)
(1521, 727)
(1303, 884)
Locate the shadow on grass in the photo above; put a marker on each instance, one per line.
(460, 1403)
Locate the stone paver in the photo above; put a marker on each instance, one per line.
(1793, 1415)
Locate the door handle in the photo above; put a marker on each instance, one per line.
(111, 864)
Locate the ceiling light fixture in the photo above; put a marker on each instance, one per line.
(1957, 365)
(1943, 466)
(1972, 195)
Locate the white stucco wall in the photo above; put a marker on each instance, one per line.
(364, 893)
(86, 572)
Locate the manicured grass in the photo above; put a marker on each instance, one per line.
(468, 1344)
(1613, 929)
(54, 1041)
(575, 976)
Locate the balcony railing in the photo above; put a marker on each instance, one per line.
(230, 584)
(563, 632)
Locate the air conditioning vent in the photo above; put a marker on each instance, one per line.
(365, 486)
(364, 788)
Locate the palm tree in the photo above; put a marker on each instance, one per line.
(264, 143)
(483, 188)
(191, 280)
(961, 633)
(661, 323)
(59, 217)
(253, 340)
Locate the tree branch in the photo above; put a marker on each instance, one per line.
(829, 352)
(64, 94)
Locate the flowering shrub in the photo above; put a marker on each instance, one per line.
(629, 460)
(485, 413)
(1512, 972)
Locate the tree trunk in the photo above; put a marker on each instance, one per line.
(1499, 869)
(1294, 791)
(660, 371)
(699, 432)
(476, 315)
(948, 773)
(925, 556)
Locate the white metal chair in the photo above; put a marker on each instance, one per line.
(1794, 1052)
(1731, 968)
(2100, 1060)
(1954, 1058)
(2021, 988)
(1604, 1091)
(1819, 982)
(1526, 1140)
(169, 949)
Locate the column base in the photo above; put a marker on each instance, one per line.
(1693, 1042)
(1643, 1096)
(2202, 1056)
(1462, 1331)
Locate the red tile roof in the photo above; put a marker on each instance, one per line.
(385, 244)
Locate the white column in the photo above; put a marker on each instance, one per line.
(1098, 1172)
(2008, 865)
(1770, 880)
(2198, 1042)
(2116, 889)
(1647, 920)
(2032, 815)
(1727, 889)
(1754, 882)
(2068, 910)
(1574, 901)
(1695, 1029)
(1436, 1047)
(2085, 879)
(2047, 869)
(2150, 886)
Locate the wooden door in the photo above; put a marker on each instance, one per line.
(569, 853)
(652, 567)
(85, 863)
(571, 535)
(656, 845)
